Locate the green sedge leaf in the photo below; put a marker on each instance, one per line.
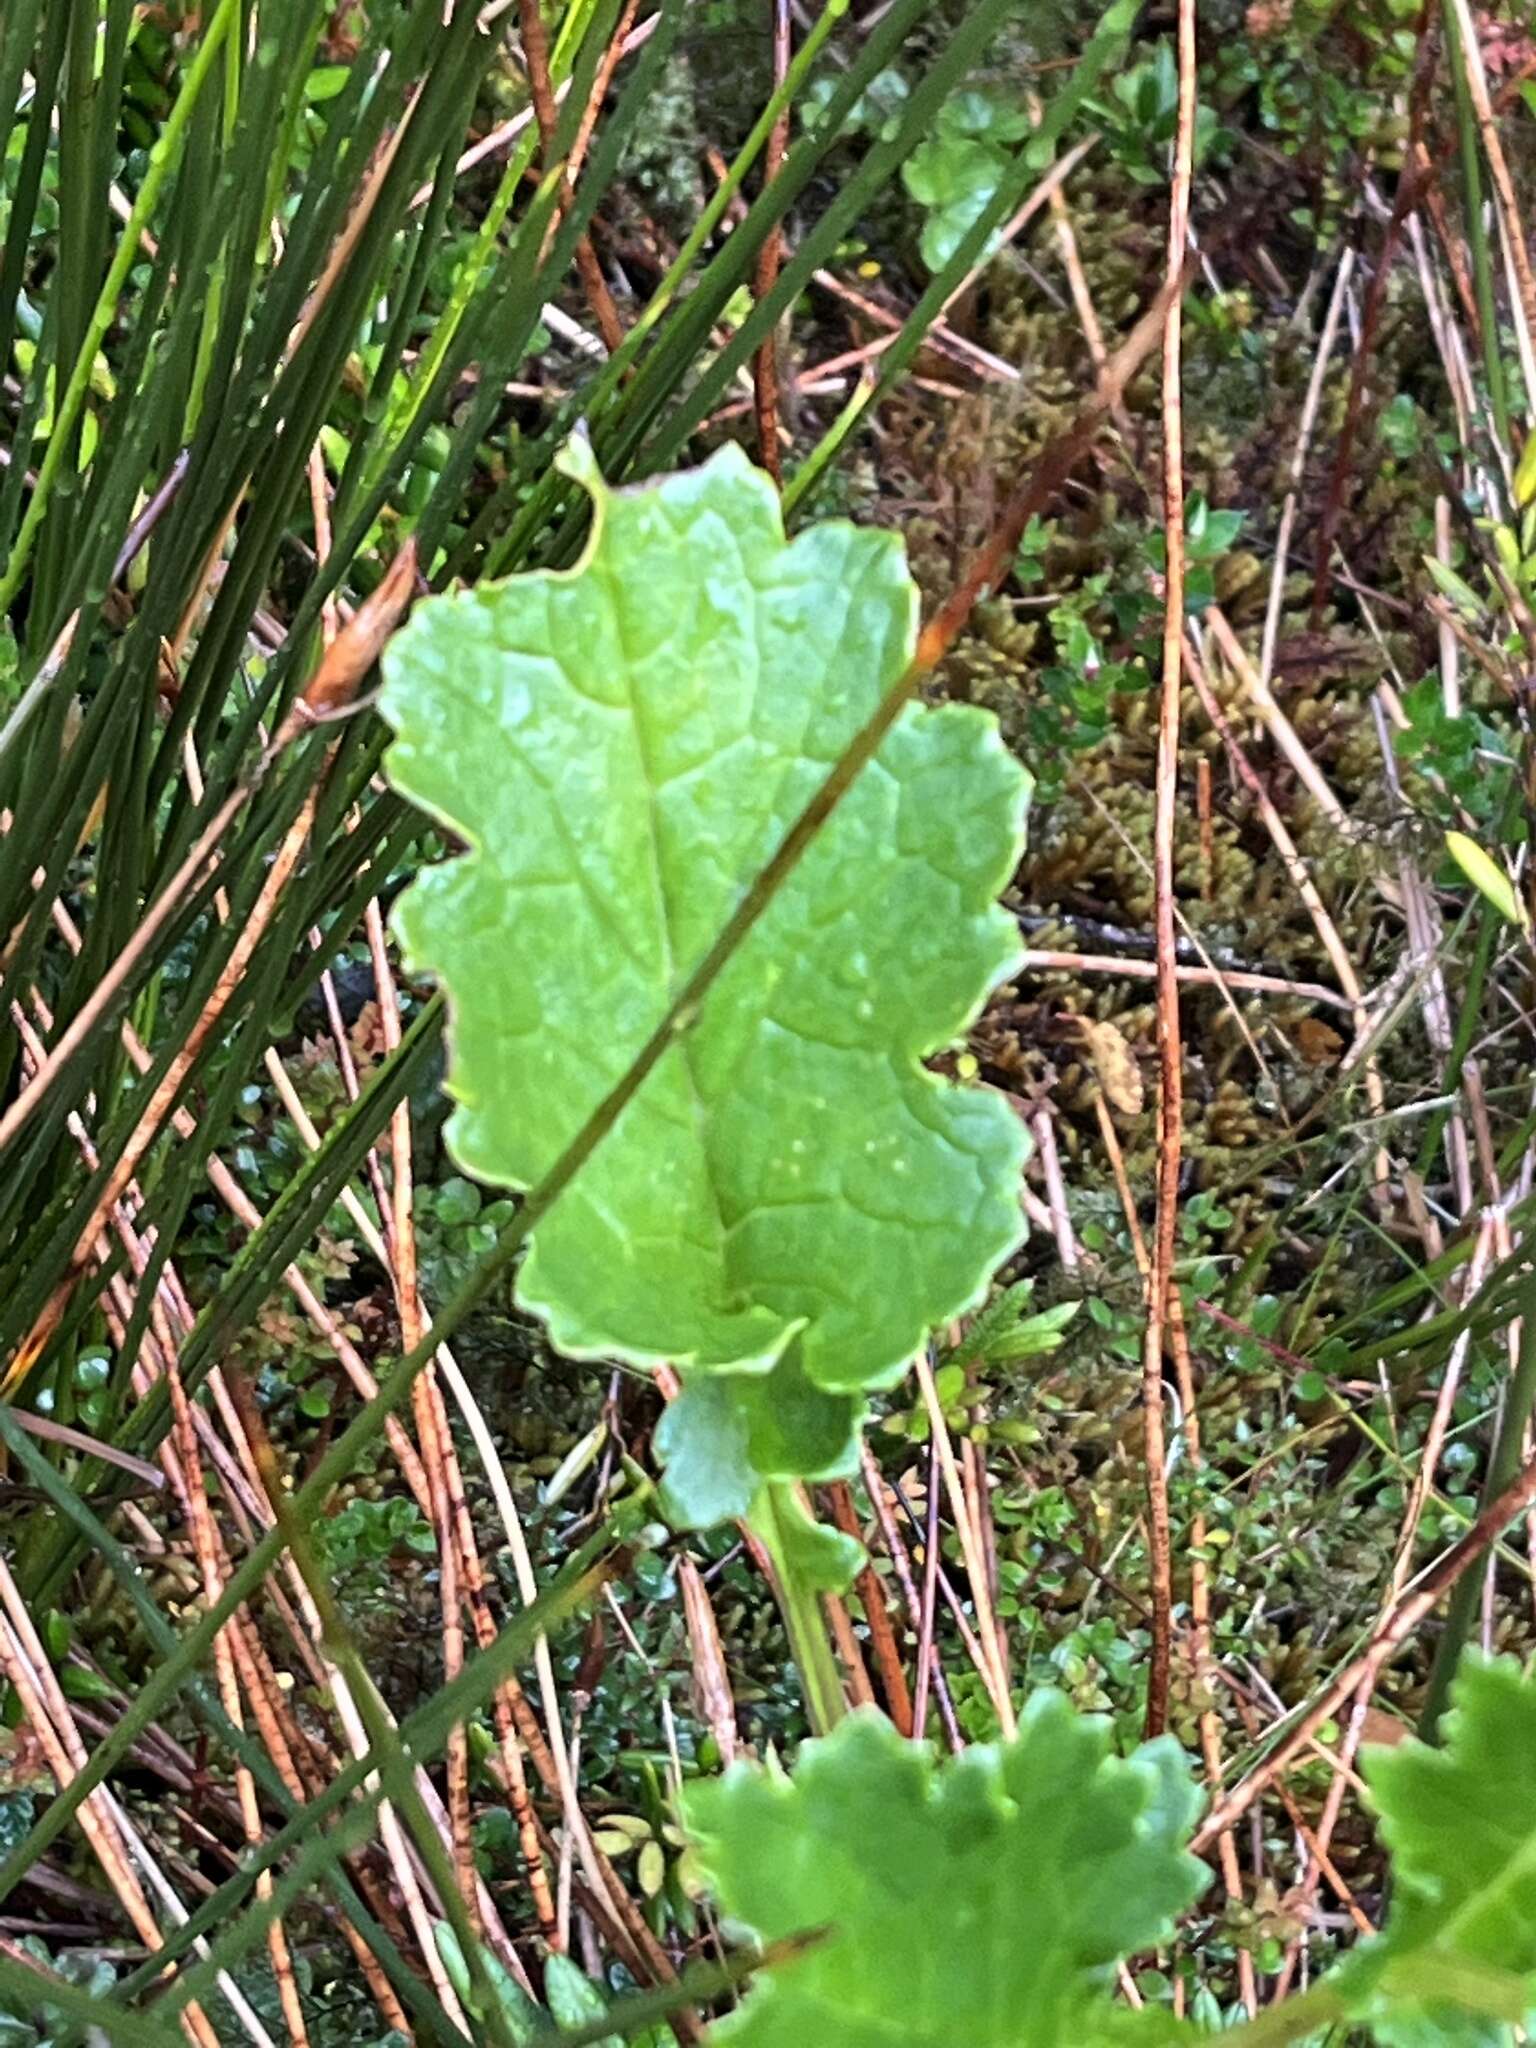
(1507, 548)
(1486, 875)
(978, 1901)
(1456, 588)
(792, 1201)
(1525, 472)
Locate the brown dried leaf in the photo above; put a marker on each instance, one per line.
(361, 640)
(712, 1696)
(1383, 1730)
(1318, 1043)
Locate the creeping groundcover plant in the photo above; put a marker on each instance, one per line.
(789, 1203)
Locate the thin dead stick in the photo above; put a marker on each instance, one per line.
(152, 1118)
(1200, 1635)
(1298, 466)
(1275, 722)
(342, 249)
(1072, 264)
(427, 1407)
(994, 559)
(1285, 845)
(1111, 1139)
(893, 1677)
(927, 1660)
(229, 1697)
(943, 338)
(1439, 1422)
(1200, 1609)
(502, 137)
(1404, 1615)
(765, 363)
(332, 686)
(901, 1564)
(1515, 245)
(1421, 916)
(1192, 977)
(1055, 1187)
(545, 106)
(978, 1499)
(1170, 1051)
(101, 1818)
(619, 47)
(1449, 343)
(993, 1670)
(1450, 648)
(1323, 1863)
(856, 1683)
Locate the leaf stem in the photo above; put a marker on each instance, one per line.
(801, 1609)
(1293, 2019)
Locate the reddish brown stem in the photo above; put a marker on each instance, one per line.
(1170, 1049)
(882, 1637)
(765, 364)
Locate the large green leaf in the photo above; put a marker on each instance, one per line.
(980, 1901)
(791, 1197)
(1461, 1824)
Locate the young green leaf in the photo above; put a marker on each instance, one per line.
(1456, 588)
(573, 1998)
(1461, 1824)
(518, 2011)
(980, 1901)
(792, 1201)
(1486, 876)
(1525, 472)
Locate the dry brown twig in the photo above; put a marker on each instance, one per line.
(893, 1677)
(1396, 1625)
(1169, 1035)
(765, 364)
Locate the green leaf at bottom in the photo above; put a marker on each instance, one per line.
(1461, 1824)
(977, 1904)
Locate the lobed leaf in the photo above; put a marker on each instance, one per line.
(979, 1901)
(792, 1201)
(1460, 1822)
